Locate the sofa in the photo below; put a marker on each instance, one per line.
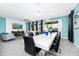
(18, 33)
(7, 36)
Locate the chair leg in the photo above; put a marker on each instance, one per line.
(45, 54)
(42, 53)
(59, 50)
(50, 53)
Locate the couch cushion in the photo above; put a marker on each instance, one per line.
(5, 33)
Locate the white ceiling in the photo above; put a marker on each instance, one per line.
(35, 11)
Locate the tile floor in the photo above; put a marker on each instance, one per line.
(16, 48)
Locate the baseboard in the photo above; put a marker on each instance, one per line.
(64, 38)
(76, 45)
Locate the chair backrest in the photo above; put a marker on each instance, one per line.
(30, 34)
(57, 42)
(36, 33)
(29, 45)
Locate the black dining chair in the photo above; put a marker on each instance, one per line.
(55, 45)
(30, 46)
(30, 34)
(36, 33)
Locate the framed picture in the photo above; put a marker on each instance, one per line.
(17, 26)
(76, 24)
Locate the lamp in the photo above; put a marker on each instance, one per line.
(20, 30)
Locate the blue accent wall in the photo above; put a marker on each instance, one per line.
(64, 25)
(27, 26)
(76, 30)
(2, 24)
(76, 37)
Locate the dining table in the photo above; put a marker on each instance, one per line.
(44, 41)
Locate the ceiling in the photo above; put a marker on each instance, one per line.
(35, 11)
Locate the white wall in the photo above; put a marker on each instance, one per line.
(60, 25)
(10, 21)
